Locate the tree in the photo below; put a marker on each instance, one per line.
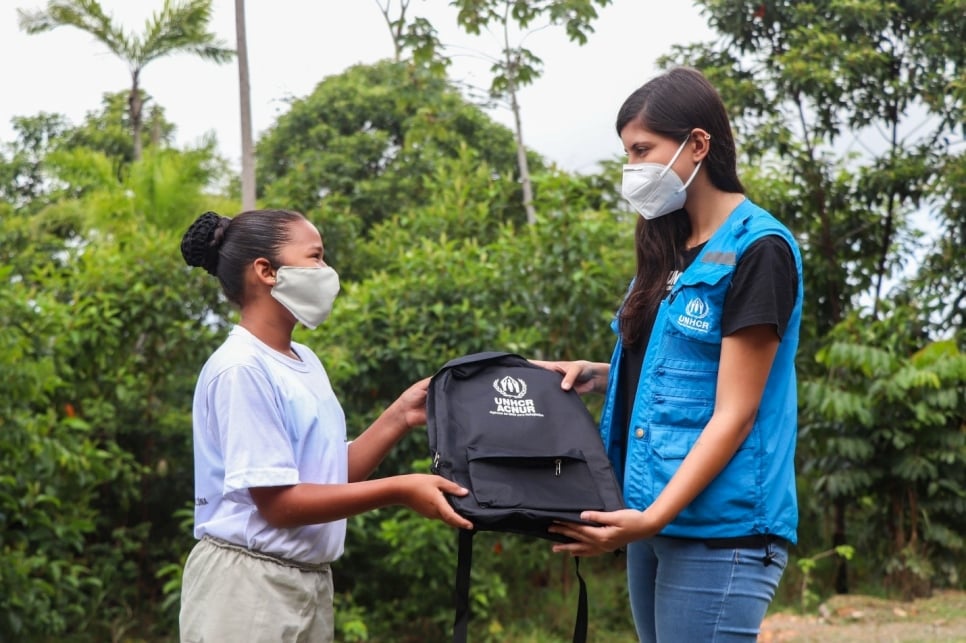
(107, 328)
(861, 106)
(108, 129)
(418, 37)
(358, 149)
(177, 28)
(245, 102)
(902, 449)
(24, 182)
(517, 67)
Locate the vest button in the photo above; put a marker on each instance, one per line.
(639, 433)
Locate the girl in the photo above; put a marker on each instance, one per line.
(700, 413)
(275, 476)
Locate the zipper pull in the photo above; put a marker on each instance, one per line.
(557, 464)
(436, 462)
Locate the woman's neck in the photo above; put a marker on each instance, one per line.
(708, 210)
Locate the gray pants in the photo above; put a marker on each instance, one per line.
(230, 594)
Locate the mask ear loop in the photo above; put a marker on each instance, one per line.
(697, 167)
(667, 168)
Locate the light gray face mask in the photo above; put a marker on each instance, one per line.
(307, 293)
(654, 189)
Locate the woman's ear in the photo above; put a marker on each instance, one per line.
(263, 271)
(700, 144)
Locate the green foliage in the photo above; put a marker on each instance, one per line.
(164, 188)
(469, 199)
(108, 130)
(417, 38)
(52, 160)
(893, 431)
(128, 349)
(101, 354)
(364, 140)
(23, 181)
(808, 599)
(517, 66)
(53, 467)
(939, 284)
(806, 81)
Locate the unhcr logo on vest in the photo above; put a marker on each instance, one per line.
(694, 316)
(511, 402)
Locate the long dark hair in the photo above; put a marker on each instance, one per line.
(672, 105)
(225, 246)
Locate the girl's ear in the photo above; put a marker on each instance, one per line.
(264, 272)
(700, 144)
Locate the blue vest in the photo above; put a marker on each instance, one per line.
(755, 492)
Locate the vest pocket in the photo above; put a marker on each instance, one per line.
(560, 482)
(683, 394)
(732, 495)
(696, 301)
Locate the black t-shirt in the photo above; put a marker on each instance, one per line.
(762, 291)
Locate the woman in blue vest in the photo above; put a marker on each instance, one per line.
(700, 395)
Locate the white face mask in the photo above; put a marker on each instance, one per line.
(654, 189)
(307, 293)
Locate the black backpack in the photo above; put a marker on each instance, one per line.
(528, 451)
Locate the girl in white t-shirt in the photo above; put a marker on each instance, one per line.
(275, 476)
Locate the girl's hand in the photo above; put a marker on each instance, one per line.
(410, 406)
(423, 493)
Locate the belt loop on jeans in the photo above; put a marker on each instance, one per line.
(287, 562)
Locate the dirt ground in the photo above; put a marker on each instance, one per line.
(941, 618)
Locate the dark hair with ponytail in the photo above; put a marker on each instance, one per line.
(672, 105)
(225, 246)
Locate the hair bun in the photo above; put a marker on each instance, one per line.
(200, 244)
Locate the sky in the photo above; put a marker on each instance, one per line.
(567, 114)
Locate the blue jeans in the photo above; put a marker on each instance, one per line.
(683, 591)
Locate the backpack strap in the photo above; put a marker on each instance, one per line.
(462, 592)
(580, 625)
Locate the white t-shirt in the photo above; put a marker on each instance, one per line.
(262, 419)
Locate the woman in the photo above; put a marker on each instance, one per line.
(700, 409)
(275, 476)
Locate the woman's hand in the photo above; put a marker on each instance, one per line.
(614, 529)
(423, 493)
(581, 375)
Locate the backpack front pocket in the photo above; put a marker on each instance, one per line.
(561, 482)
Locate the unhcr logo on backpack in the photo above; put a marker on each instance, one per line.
(694, 316)
(511, 402)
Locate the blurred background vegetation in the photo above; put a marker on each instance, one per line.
(452, 238)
